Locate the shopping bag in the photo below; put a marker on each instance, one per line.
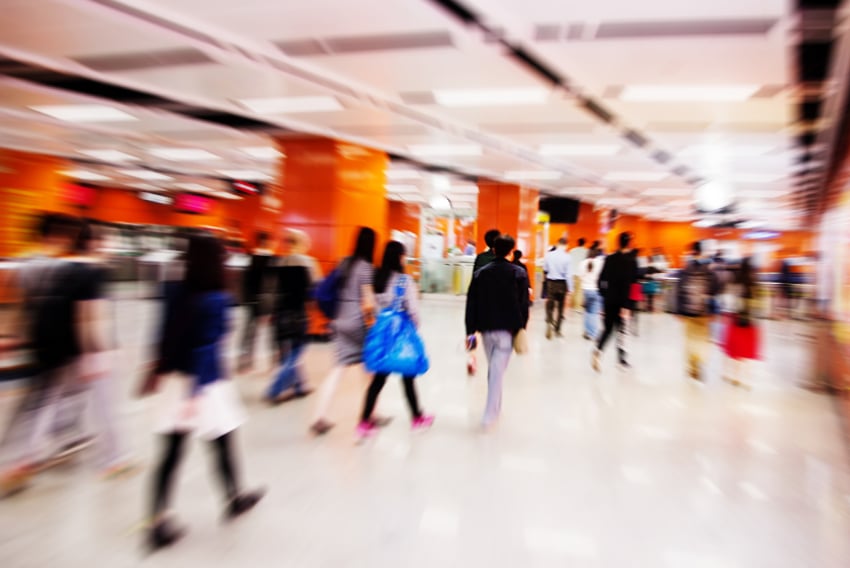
(393, 344)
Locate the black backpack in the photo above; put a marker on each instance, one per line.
(698, 284)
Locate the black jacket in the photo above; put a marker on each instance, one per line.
(618, 274)
(483, 260)
(497, 299)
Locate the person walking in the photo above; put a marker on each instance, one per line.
(355, 313)
(389, 278)
(589, 271)
(615, 281)
(559, 283)
(297, 274)
(488, 255)
(52, 290)
(257, 298)
(698, 285)
(577, 256)
(193, 395)
(741, 338)
(497, 307)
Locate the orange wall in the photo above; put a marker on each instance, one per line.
(512, 209)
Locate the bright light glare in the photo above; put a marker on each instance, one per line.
(85, 113)
(85, 175)
(183, 154)
(109, 155)
(147, 174)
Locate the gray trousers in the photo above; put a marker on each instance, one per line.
(498, 346)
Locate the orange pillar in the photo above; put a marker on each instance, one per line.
(512, 209)
(30, 184)
(330, 190)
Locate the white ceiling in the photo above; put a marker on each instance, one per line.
(390, 91)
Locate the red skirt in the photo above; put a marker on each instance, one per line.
(741, 342)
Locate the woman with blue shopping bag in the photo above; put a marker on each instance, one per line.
(393, 344)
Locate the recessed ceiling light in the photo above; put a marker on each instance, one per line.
(84, 113)
(688, 93)
(751, 225)
(583, 190)
(445, 150)
(291, 105)
(704, 223)
(245, 175)
(184, 154)
(263, 152)
(440, 203)
(533, 175)
(730, 150)
(490, 97)
(402, 174)
(579, 149)
(149, 175)
(85, 175)
(636, 176)
(668, 192)
(109, 155)
(401, 188)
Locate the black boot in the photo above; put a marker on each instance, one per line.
(163, 534)
(243, 503)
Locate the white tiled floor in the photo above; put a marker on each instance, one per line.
(624, 469)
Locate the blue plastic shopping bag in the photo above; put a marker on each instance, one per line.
(393, 344)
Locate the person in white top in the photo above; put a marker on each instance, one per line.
(577, 256)
(559, 283)
(589, 274)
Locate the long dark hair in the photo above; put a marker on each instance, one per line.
(364, 247)
(391, 263)
(204, 264)
(747, 277)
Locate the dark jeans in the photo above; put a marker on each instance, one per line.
(378, 382)
(289, 375)
(557, 292)
(172, 455)
(612, 320)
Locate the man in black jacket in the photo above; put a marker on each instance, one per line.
(615, 281)
(256, 295)
(497, 307)
(487, 256)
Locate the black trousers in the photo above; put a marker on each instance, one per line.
(612, 320)
(557, 292)
(378, 382)
(170, 459)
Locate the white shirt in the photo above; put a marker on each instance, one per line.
(577, 256)
(558, 266)
(590, 278)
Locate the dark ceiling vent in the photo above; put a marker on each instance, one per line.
(389, 42)
(636, 138)
(228, 119)
(818, 4)
(547, 32)
(684, 28)
(457, 10)
(810, 111)
(146, 60)
(418, 98)
(596, 109)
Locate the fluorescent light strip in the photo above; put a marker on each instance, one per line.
(490, 97)
(147, 175)
(188, 186)
(291, 105)
(636, 176)
(183, 154)
(688, 93)
(445, 150)
(538, 175)
(84, 113)
(85, 175)
(109, 155)
(263, 152)
(579, 149)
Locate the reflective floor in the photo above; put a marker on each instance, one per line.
(638, 468)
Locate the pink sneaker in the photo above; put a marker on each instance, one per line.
(422, 423)
(365, 430)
